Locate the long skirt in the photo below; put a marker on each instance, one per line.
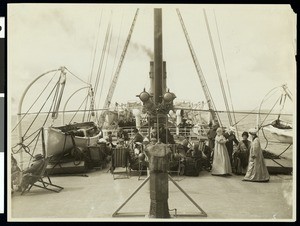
(221, 162)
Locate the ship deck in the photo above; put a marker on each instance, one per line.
(97, 196)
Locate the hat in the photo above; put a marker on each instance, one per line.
(146, 139)
(153, 139)
(121, 139)
(253, 131)
(245, 134)
(230, 129)
(102, 140)
(135, 130)
(138, 143)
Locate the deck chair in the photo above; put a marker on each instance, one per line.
(36, 178)
(96, 157)
(143, 168)
(120, 159)
(175, 164)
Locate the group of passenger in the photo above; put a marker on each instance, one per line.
(246, 159)
(223, 155)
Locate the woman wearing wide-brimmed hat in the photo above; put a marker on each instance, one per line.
(257, 170)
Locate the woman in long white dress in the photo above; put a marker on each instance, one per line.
(257, 170)
(221, 162)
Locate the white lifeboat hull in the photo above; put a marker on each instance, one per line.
(282, 135)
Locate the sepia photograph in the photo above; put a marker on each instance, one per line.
(151, 112)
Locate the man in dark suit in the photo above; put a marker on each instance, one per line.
(230, 136)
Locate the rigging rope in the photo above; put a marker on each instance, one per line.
(104, 72)
(99, 72)
(40, 110)
(39, 130)
(70, 111)
(78, 109)
(223, 60)
(269, 112)
(245, 117)
(265, 98)
(34, 148)
(93, 62)
(208, 96)
(34, 101)
(102, 57)
(78, 77)
(218, 68)
(96, 47)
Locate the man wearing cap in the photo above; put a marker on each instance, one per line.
(257, 170)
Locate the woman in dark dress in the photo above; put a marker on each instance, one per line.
(241, 156)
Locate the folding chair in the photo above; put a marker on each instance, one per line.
(120, 158)
(96, 157)
(175, 164)
(36, 179)
(143, 168)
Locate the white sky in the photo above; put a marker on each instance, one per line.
(258, 43)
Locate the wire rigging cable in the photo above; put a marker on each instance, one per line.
(93, 62)
(208, 96)
(77, 77)
(96, 47)
(118, 69)
(104, 72)
(102, 57)
(218, 68)
(266, 97)
(78, 109)
(35, 101)
(223, 60)
(40, 110)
